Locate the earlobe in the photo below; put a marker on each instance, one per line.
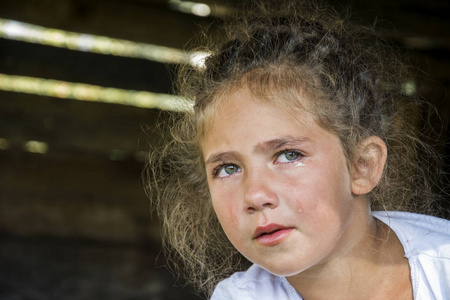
(368, 165)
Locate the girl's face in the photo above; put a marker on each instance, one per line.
(280, 186)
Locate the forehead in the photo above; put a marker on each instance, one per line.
(245, 100)
(292, 103)
(241, 115)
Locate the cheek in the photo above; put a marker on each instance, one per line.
(307, 189)
(323, 192)
(228, 217)
(226, 210)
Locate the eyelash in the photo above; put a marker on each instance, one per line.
(297, 152)
(221, 167)
(217, 170)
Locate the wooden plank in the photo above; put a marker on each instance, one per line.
(149, 22)
(74, 198)
(20, 58)
(76, 127)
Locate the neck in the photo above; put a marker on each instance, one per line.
(371, 267)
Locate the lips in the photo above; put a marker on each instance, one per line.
(271, 234)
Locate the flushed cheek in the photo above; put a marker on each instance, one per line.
(227, 213)
(314, 189)
(323, 211)
(233, 227)
(232, 219)
(233, 216)
(319, 210)
(300, 195)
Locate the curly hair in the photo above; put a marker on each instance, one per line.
(356, 86)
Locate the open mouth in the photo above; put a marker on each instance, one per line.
(268, 233)
(271, 234)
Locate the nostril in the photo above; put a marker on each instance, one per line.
(250, 209)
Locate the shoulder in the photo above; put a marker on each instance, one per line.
(419, 234)
(426, 241)
(255, 283)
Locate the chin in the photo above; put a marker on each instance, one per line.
(283, 271)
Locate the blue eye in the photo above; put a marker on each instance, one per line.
(288, 156)
(291, 156)
(225, 170)
(230, 169)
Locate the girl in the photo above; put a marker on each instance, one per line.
(302, 141)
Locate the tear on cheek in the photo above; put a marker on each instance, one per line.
(232, 216)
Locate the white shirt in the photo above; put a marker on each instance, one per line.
(425, 239)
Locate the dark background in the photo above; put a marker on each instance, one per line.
(75, 222)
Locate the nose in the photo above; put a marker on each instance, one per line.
(259, 193)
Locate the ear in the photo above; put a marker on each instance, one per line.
(368, 165)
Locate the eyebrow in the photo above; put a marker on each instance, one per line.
(280, 142)
(262, 147)
(223, 156)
